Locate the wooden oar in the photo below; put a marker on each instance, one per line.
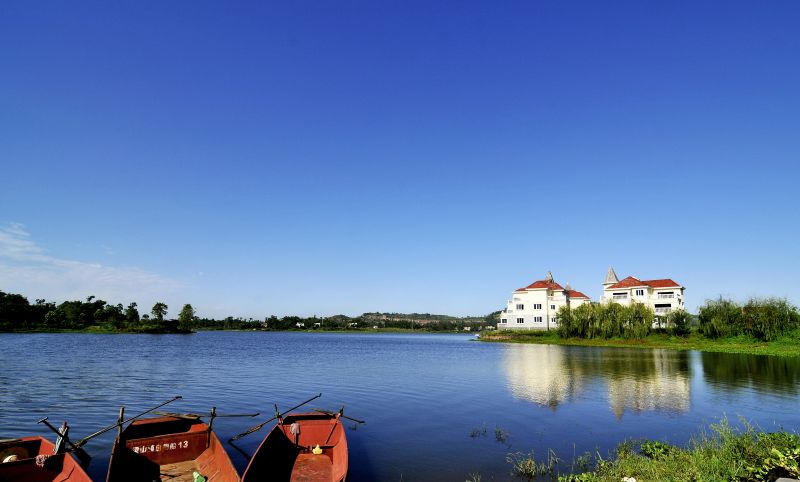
(121, 423)
(326, 412)
(258, 427)
(84, 457)
(76, 447)
(193, 416)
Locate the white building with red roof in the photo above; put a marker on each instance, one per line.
(662, 295)
(536, 305)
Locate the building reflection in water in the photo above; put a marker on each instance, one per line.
(539, 374)
(634, 380)
(663, 385)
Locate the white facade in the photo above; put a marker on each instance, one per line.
(662, 295)
(536, 306)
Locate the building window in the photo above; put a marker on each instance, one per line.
(639, 292)
(537, 319)
(520, 307)
(503, 321)
(553, 320)
(520, 320)
(552, 307)
(537, 306)
(663, 308)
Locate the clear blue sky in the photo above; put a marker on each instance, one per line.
(257, 158)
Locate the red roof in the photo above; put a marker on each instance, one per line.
(576, 294)
(542, 284)
(631, 282)
(628, 282)
(661, 283)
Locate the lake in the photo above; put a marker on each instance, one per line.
(438, 407)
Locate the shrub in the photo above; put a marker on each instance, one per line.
(720, 318)
(767, 319)
(678, 322)
(638, 320)
(764, 319)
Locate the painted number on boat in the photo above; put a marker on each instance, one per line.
(161, 447)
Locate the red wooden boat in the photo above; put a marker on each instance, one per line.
(169, 449)
(33, 459)
(302, 447)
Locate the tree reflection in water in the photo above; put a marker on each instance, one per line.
(732, 372)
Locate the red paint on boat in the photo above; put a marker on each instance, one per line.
(169, 449)
(54, 467)
(284, 457)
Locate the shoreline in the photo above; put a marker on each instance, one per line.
(785, 346)
(199, 330)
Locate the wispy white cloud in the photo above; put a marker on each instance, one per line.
(27, 268)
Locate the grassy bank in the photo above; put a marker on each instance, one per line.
(786, 345)
(721, 453)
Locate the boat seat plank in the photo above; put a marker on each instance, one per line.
(310, 467)
(179, 471)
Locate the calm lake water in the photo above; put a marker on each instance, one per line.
(421, 395)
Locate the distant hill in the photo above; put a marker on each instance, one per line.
(421, 318)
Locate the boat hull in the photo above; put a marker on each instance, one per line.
(49, 468)
(169, 448)
(285, 455)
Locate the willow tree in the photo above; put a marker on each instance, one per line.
(638, 320)
(612, 320)
(720, 318)
(767, 319)
(678, 322)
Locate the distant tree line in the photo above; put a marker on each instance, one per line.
(18, 314)
(368, 321)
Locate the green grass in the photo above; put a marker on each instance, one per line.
(724, 453)
(786, 345)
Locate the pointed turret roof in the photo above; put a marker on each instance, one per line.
(611, 277)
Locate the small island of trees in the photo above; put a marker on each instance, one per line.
(92, 314)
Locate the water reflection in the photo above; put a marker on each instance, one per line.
(660, 384)
(540, 374)
(733, 372)
(634, 380)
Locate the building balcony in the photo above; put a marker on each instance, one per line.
(666, 296)
(663, 311)
(620, 297)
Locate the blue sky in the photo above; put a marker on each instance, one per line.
(257, 158)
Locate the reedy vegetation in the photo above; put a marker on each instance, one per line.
(613, 320)
(763, 319)
(725, 453)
